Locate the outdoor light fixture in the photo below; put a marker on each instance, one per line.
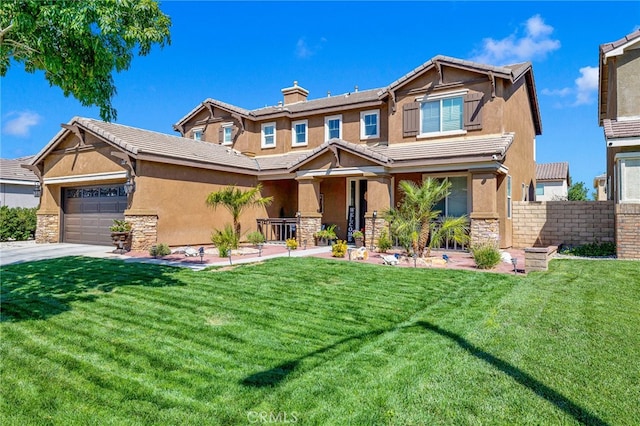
(373, 227)
(260, 249)
(514, 260)
(201, 253)
(129, 186)
(37, 190)
(230, 262)
(375, 214)
(289, 248)
(304, 244)
(415, 260)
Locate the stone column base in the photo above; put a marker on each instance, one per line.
(144, 231)
(48, 228)
(485, 231)
(372, 230)
(309, 225)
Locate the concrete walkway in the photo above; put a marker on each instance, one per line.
(28, 251)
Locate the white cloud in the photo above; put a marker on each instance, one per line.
(584, 91)
(303, 50)
(536, 43)
(21, 123)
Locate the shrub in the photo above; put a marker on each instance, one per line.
(161, 249)
(256, 238)
(292, 243)
(384, 242)
(225, 240)
(339, 249)
(486, 256)
(594, 249)
(17, 223)
(120, 225)
(358, 234)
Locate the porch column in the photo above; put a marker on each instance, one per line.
(48, 226)
(378, 200)
(485, 221)
(144, 228)
(309, 208)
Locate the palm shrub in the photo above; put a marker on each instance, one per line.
(225, 240)
(485, 255)
(416, 222)
(384, 242)
(235, 200)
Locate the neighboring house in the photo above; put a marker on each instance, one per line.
(17, 184)
(619, 115)
(552, 181)
(332, 160)
(600, 187)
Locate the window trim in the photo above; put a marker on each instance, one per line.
(263, 143)
(226, 126)
(440, 97)
(199, 131)
(540, 189)
(294, 141)
(509, 191)
(619, 159)
(363, 136)
(326, 125)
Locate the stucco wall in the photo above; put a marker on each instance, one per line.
(17, 195)
(553, 191)
(547, 223)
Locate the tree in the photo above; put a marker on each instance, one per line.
(578, 192)
(78, 44)
(235, 200)
(416, 220)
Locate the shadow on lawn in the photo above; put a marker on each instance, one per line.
(275, 375)
(39, 290)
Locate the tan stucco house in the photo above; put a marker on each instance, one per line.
(328, 160)
(619, 115)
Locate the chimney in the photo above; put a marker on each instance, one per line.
(294, 94)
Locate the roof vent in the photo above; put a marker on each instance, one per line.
(294, 94)
(355, 89)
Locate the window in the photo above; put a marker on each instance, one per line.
(455, 204)
(369, 124)
(299, 133)
(227, 134)
(197, 134)
(333, 127)
(441, 115)
(268, 134)
(508, 197)
(629, 173)
(539, 189)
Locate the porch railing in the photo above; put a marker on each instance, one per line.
(278, 230)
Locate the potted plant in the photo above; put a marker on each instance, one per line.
(358, 237)
(325, 236)
(120, 234)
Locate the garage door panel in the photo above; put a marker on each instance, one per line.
(89, 212)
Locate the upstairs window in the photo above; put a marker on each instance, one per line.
(333, 127)
(299, 133)
(441, 115)
(268, 135)
(197, 134)
(369, 124)
(227, 134)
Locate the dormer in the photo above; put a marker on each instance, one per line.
(294, 94)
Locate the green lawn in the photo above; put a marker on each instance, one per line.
(313, 341)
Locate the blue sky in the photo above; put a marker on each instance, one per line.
(243, 53)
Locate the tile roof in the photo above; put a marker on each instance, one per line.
(552, 171)
(448, 149)
(614, 129)
(10, 169)
(607, 47)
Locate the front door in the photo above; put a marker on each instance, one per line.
(356, 205)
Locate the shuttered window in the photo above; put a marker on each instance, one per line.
(441, 115)
(411, 119)
(473, 111)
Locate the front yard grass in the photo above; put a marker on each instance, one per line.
(94, 341)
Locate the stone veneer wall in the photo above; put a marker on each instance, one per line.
(371, 232)
(628, 231)
(144, 231)
(484, 231)
(547, 223)
(48, 228)
(308, 227)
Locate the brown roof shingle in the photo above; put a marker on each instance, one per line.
(552, 171)
(10, 169)
(614, 129)
(608, 47)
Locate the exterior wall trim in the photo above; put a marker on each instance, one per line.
(86, 178)
(343, 171)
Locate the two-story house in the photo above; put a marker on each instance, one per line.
(619, 115)
(336, 159)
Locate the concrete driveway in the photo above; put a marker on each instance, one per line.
(28, 251)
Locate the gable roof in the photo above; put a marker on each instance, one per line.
(552, 171)
(354, 99)
(156, 146)
(615, 129)
(11, 170)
